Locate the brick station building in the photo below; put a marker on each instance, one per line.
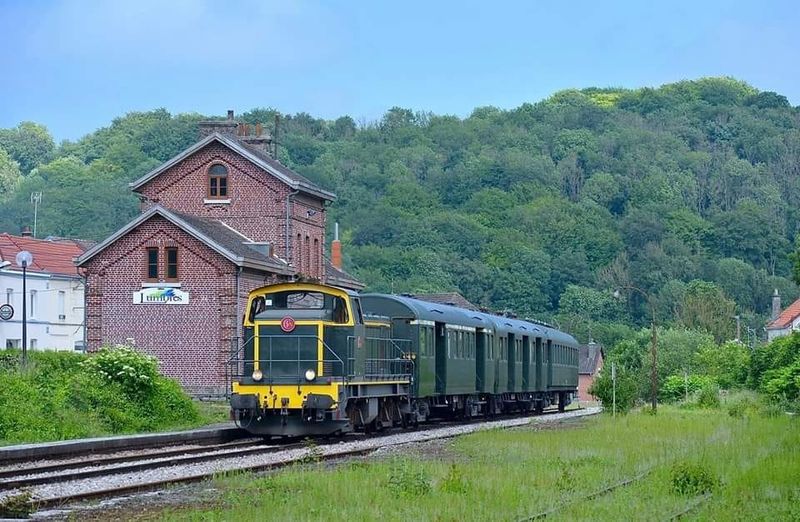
(218, 220)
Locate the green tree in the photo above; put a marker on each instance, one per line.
(29, 144)
(9, 175)
(705, 307)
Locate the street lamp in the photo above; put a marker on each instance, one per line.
(653, 343)
(24, 260)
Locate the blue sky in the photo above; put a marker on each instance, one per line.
(74, 65)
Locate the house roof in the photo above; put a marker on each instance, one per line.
(256, 156)
(50, 256)
(213, 232)
(786, 317)
(448, 298)
(589, 358)
(337, 277)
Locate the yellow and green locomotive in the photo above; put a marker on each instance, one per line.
(315, 363)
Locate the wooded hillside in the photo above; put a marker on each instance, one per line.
(690, 192)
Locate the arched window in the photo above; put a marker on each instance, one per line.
(218, 181)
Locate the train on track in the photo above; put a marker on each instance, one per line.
(321, 360)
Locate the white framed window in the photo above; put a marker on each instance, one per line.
(33, 303)
(34, 344)
(13, 343)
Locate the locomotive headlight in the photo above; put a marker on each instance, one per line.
(257, 375)
(310, 375)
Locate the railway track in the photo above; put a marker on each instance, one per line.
(101, 478)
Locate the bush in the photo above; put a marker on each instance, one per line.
(742, 406)
(61, 395)
(132, 370)
(690, 479)
(708, 396)
(602, 388)
(675, 387)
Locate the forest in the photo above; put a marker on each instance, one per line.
(688, 192)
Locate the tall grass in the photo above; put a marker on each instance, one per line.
(749, 462)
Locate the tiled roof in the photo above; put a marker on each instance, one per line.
(589, 357)
(51, 256)
(212, 232)
(337, 277)
(785, 319)
(448, 298)
(231, 240)
(277, 165)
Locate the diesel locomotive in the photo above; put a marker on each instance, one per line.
(321, 360)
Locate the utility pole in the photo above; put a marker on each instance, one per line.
(614, 389)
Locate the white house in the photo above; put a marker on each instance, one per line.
(783, 322)
(55, 293)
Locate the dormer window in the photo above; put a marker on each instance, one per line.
(218, 181)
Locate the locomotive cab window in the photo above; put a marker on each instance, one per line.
(301, 305)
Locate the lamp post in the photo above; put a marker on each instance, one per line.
(24, 260)
(653, 343)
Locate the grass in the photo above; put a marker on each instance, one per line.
(750, 463)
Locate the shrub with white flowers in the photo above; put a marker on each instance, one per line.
(134, 371)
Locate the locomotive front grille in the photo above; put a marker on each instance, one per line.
(286, 356)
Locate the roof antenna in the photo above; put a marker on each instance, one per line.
(36, 198)
(275, 136)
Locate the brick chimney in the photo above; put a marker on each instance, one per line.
(336, 248)
(226, 127)
(776, 305)
(26, 231)
(257, 138)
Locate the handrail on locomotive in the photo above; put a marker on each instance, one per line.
(398, 364)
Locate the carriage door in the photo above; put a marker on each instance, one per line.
(512, 360)
(548, 361)
(526, 363)
(440, 344)
(480, 359)
(537, 353)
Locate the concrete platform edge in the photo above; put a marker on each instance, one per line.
(66, 448)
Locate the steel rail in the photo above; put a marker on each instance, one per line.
(73, 463)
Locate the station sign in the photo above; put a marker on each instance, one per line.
(171, 296)
(6, 312)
